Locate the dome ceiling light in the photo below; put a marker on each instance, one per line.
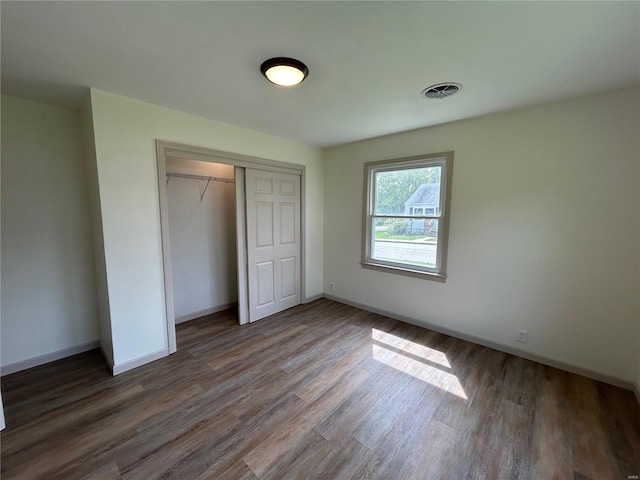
(286, 72)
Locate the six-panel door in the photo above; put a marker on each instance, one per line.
(273, 242)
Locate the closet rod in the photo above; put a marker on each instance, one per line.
(199, 177)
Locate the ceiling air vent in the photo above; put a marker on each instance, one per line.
(441, 90)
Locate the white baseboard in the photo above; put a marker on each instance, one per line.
(313, 298)
(138, 362)
(207, 311)
(552, 362)
(48, 357)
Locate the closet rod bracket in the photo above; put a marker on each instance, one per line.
(205, 189)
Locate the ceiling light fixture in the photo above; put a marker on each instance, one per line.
(283, 71)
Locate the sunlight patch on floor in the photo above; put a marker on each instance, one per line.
(411, 347)
(396, 356)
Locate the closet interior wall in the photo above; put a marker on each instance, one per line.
(202, 235)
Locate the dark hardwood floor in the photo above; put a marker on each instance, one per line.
(324, 391)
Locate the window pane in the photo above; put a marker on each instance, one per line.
(398, 191)
(406, 241)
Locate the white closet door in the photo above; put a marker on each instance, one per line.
(241, 246)
(273, 242)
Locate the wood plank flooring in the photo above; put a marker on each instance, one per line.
(323, 391)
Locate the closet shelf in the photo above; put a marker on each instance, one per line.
(201, 178)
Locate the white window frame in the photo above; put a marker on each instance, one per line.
(443, 160)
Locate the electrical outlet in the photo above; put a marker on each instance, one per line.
(332, 287)
(522, 336)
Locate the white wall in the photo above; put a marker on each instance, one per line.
(544, 230)
(203, 239)
(48, 280)
(125, 131)
(2, 421)
(102, 293)
(638, 378)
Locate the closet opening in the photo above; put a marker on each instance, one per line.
(232, 233)
(201, 211)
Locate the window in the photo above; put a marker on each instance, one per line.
(407, 215)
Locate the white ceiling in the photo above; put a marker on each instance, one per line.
(368, 61)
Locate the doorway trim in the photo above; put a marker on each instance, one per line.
(165, 149)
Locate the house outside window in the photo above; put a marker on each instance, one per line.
(407, 215)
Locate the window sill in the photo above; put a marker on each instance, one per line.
(437, 277)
